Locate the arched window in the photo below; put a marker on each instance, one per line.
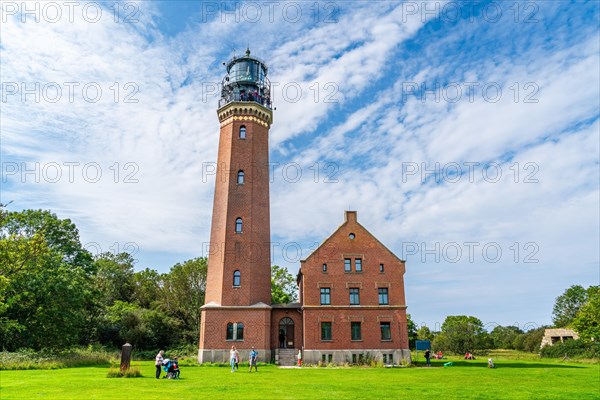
(237, 278)
(240, 179)
(238, 225)
(229, 335)
(242, 132)
(239, 331)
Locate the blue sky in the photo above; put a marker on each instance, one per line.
(466, 136)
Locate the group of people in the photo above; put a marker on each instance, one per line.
(248, 96)
(437, 356)
(234, 359)
(171, 367)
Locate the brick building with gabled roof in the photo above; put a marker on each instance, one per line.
(352, 297)
(352, 303)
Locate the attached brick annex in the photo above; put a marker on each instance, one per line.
(352, 303)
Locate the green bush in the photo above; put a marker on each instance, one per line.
(78, 357)
(572, 348)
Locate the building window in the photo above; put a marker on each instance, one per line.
(355, 332)
(324, 267)
(383, 296)
(229, 331)
(380, 267)
(354, 296)
(242, 132)
(327, 358)
(238, 225)
(325, 330)
(385, 359)
(386, 332)
(358, 264)
(237, 278)
(352, 236)
(239, 331)
(325, 296)
(240, 178)
(235, 331)
(347, 265)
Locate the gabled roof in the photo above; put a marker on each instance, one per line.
(349, 218)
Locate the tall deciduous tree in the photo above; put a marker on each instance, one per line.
(567, 305)
(184, 288)
(587, 320)
(46, 281)
(461, 333)
(283, 286)
(503, 337)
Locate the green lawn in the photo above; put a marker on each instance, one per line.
(512, 379)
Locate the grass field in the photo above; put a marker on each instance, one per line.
(512, 379)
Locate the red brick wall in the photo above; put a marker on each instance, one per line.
(296, 316)
(249, 251)
(257, 326)
(373, 253)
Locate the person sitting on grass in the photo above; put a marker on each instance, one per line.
(491, 363)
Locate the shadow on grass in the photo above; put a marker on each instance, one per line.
(500, 364)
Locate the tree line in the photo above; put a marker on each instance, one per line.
(54, 294)
(576, 308)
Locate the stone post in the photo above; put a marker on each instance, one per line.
(125, 357)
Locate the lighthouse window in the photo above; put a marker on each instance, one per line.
(242, 132)
(238, 225)
(237, 278)
(240, 178)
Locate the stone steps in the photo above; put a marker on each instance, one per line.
(286, 357)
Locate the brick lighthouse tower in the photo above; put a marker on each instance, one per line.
(237, 310)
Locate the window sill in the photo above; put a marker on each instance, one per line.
(356, 340)
(386, 340)
(326, 340)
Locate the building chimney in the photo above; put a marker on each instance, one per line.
(350, 216)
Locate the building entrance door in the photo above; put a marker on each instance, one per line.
(286, 333)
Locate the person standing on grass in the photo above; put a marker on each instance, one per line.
(232, 358)
(253, 357)
(428, 357)
(237, 359)
(158, 363)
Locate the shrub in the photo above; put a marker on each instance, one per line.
(133, 372)
(78, 357)
(572, 348)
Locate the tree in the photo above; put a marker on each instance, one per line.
(283, 286)
(567, 305)
(587, 320)
(503, 337)
(412, 331)
(114, 277)
(461, 334)
(424, 333)
(530, 340)
(147, 287)
(184, 288)
(46, 281)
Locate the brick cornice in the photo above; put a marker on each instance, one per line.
(245, 111)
